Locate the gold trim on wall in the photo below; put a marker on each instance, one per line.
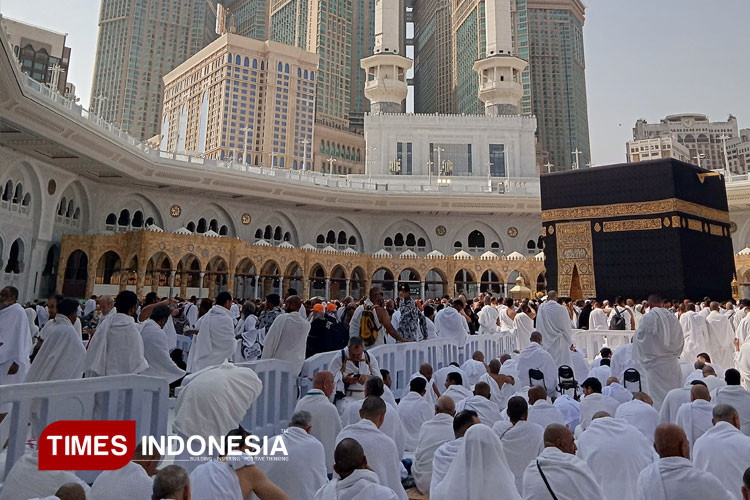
(637, 208)
(695, 225)
(632, 225)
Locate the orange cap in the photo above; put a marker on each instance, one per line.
(331, 306)
(318, 308)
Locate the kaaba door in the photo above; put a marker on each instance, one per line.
(576, 291)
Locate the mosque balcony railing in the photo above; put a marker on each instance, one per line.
(384, 183)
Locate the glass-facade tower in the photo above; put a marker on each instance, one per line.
(139, 42)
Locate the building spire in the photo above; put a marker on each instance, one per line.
(385, 84)
(500, 86)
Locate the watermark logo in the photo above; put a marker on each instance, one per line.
(87, 445)
(111, 444)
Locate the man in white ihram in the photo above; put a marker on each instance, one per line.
(455, 389)
(380, 450)
(695, 417)
(326, 420)
(723, 450)
(557, 471)
(535, 357)
(414, 410)
(215, 342)
(735, 395)
(489, 318)
(522, 441)
(452, 324)
(594, 401)
(356, 480)
(479, 470)
(720, 337)
(640, 413)
(61, 355)
(673, 477)
(657, 345)
(156, 347)
(616, 452)
(447, 451)
(695, 331)
(14, 334)
(481, 403)
(304, 471)
(434, 432)
(287, 338)
(117, 347)
(541, 411)
(553, 321)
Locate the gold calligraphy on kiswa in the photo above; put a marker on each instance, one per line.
(575, 260)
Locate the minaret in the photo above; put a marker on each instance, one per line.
(500, 86)
(385, 84)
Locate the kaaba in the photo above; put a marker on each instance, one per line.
(659, 226)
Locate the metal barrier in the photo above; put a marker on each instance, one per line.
(274, 407)
(119, 397)
(594, 340)
(311, 366)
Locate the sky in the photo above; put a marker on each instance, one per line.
(644, 59)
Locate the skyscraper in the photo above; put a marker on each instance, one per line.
(433, 53)
(326, 28)
(139, 43)
(558, 80)
(249, 17)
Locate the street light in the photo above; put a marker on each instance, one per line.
(439, 150)
(272, 155)
(395, 166)
(699, 158)
(577, 153)
(304, 143)
(429, 171)
(548, 166)
(726, 157)
(369, 161)
(244, 153)
(99, 99)
(331, 161)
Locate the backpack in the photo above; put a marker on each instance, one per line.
(619, 320)
(368, 328)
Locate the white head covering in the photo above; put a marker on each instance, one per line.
(33, 329)
(479, 471)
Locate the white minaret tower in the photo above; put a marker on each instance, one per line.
(385, 85)
(500, 86)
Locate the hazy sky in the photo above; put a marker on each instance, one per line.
(644, 59)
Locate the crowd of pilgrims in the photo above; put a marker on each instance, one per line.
(664, 416)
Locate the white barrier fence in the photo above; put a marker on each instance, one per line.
(594, 340)
(274, 407)
(123, 397)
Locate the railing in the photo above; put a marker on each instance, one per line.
(274, 407)
(123, 397)
(594, 340)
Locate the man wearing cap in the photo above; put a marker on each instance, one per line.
(412, 325)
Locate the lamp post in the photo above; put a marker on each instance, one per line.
(304, 143)
(395, 166)
(272, 155)
(331, 161)
(370, 161)
(548, 166)
(429, 172)
(726, 157)
(699, 158)
(55, 71)
(99, 99)
(439, 150)
(577, 153)
(244, 153)
(489, 175)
